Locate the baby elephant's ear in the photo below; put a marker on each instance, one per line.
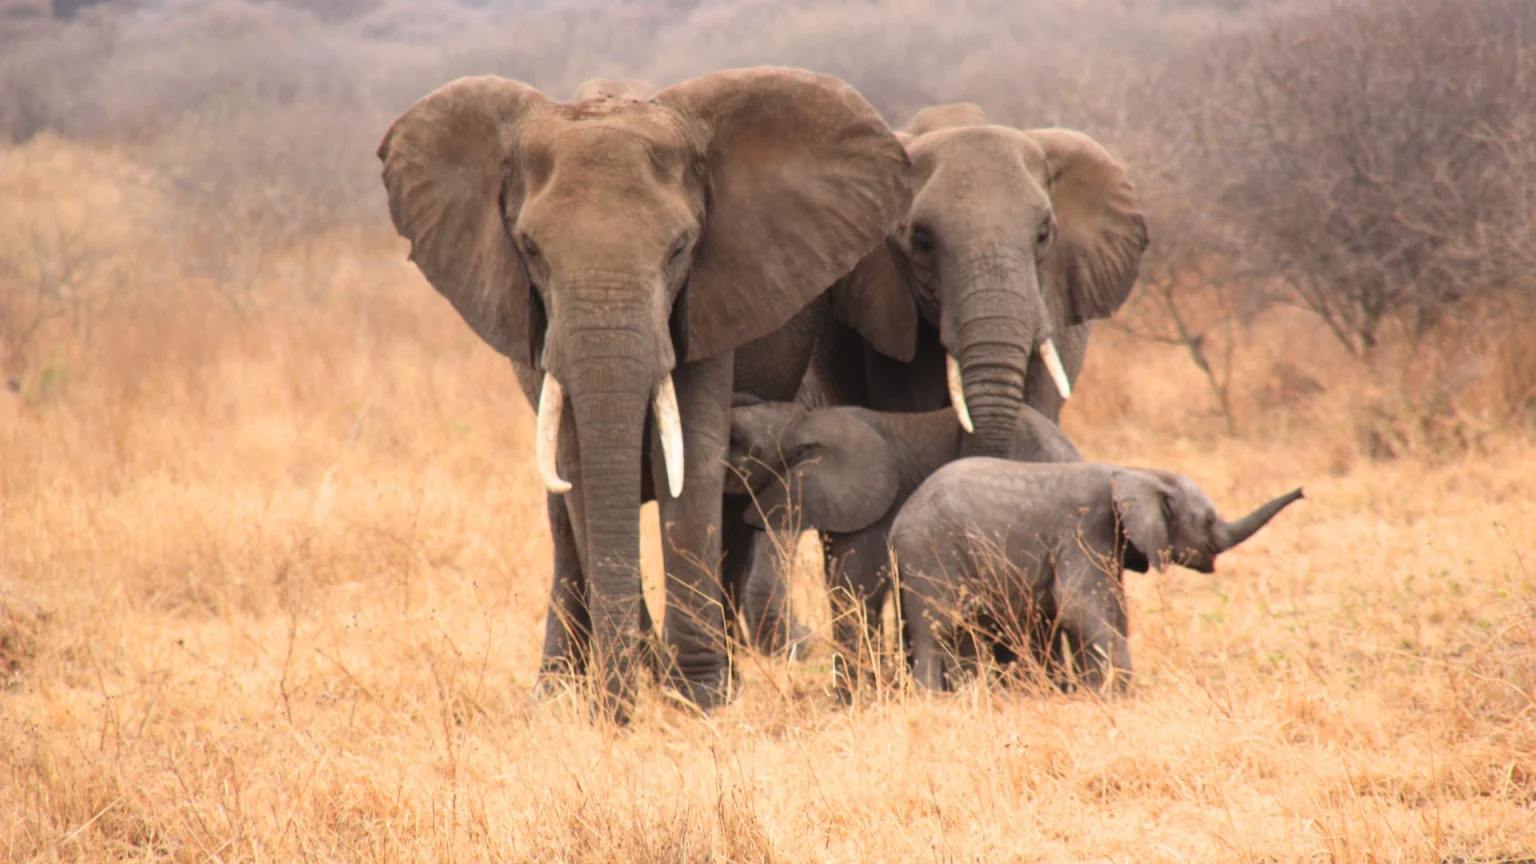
(1143, 507)
(842, 477)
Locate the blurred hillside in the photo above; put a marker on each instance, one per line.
(1368, 163)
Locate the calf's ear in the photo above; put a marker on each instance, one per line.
(841, 477)
(1143, 508)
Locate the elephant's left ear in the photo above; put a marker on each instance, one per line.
(1101, 233)
(804, 179)
(875, 300)
(1142, 505)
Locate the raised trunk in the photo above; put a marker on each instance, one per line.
(1233, 533)
(609, 396)
(992, 327)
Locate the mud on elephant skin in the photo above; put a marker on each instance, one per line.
(622, 249)
(846, 471)
(997, 546)
(1015, 242)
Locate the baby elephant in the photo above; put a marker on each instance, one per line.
(846, 472)
(992, 546)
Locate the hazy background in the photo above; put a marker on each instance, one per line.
(1371, 163)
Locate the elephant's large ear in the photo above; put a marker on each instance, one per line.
(842, 475)
(1143, 505)
(1101, 233)
(804, 179)
(445, 163)
(875, 300)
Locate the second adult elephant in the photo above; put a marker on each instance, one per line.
(638, 257)
(1016, 240)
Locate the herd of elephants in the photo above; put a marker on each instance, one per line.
(749, 299)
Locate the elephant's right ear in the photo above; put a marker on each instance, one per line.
(842, 475)
(1101, 233)
(1143, 505)
(445, 166)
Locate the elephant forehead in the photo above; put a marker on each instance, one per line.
(614, 139)
(985, 155)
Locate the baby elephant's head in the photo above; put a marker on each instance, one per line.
(758, 431)
(1167, 519)
(826, 469)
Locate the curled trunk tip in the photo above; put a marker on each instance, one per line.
(1233, 533)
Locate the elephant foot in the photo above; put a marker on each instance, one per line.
(553, 685)
(705, 692)
(848, 679)
(800, 638)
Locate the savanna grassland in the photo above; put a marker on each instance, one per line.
(273, 571)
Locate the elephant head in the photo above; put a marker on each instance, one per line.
(605, 240)
(1013, 236)
(827, 468)
(1165, 518)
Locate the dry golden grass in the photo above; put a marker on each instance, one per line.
(272, 588)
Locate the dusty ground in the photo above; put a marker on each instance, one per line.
(272, 588)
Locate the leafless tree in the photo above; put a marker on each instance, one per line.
(1368, 152)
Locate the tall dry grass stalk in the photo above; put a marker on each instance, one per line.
(272, 588)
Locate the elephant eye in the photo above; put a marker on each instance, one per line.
(678, 248)
(1044, 235)
(530, 248)
(922, 240)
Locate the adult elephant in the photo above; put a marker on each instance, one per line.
(638, 257)
(1016, 240)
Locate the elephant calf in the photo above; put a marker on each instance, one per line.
(846, 472)
(992, 547)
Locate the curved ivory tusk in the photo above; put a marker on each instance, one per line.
(957, 392)
(1053, 365)
(551, 404)
(670, 425)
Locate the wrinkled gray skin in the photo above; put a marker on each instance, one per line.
(1001, 546)
(846, 471)
(1014, 237)
(624, 240)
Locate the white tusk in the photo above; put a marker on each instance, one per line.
(957, 392)
(1053, 365)
(670, 425)
(551, 404)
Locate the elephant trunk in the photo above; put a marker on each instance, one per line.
(991, 330)
(1232, 533)
(610, 390)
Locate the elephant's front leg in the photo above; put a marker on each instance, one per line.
(857, 576)
(755, 577)
(930, 659)
(1092, 612)
(568, 626)
(691, 533)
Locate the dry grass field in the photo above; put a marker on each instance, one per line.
(272, 585)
